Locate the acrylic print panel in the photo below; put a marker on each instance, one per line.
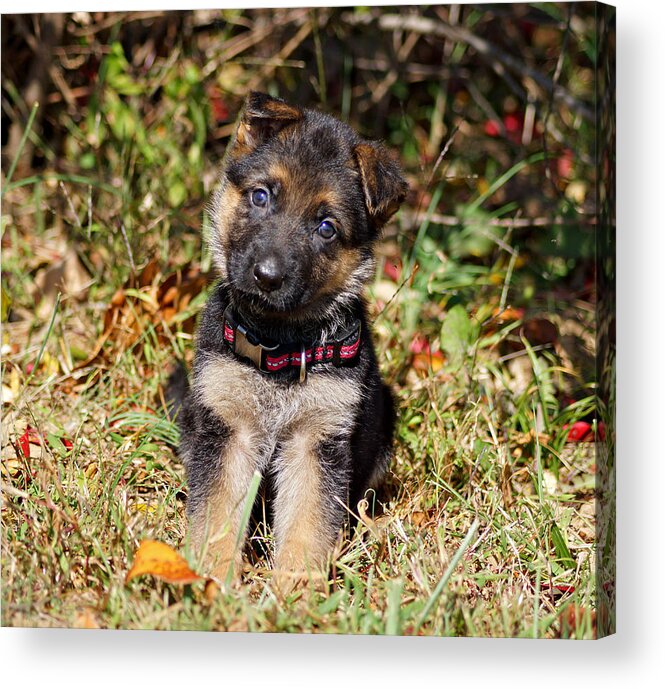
(491, 306)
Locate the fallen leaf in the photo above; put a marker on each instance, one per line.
(66, 275)
(211, 590)
(576, 191)
(508, 314)
(579, 432)
(420, 519)
(160, 560)
(31, 441)
(492, 128)
(428, 361)
(29, 437)
(363, 506)
(7, 395)
(549, 482)
(149, 273)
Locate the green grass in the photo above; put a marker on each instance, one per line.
(486, 524)
(73, 518)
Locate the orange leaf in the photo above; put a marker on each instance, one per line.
(163, 562)
(508, 314)
(426, 361)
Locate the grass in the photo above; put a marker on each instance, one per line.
(473, 539)
(486, 524)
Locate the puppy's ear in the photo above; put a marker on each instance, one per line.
(382, 181)
(262, 118)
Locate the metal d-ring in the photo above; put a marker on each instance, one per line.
(303, 364)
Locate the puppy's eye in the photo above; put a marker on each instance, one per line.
(260, 197)
(326, 229)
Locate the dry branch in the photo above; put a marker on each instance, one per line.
(497, 58)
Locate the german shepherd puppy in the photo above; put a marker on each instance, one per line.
(285, 379)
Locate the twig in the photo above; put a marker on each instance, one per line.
(413, 70)
(89, 211)
(497, 58)
(454, 221)
(290, 46)
(550, 101)
(113, 19)
(129, 248)
(485, 106)
(442, 155)
(71, 205)
(506, 282)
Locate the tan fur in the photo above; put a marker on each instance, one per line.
(346, 262)
(293, 182)
(370, 160)
(245, 141)
(217, 533)
(262, 413)
(275, 110)
(272, 116)
(302, 541)
(241, 395)
(224, 210)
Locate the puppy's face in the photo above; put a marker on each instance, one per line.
(301, 202)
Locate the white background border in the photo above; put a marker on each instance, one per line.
(635, 656)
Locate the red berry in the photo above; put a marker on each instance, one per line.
(392, 269)
(564, 164)
(579, 432)
(512, 123)
(419, 344)
(492, 128)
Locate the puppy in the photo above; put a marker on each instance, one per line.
(285, 379)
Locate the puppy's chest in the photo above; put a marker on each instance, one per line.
(246, 400)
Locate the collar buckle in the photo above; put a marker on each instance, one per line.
(243, 346)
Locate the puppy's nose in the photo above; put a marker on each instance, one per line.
(268, 274)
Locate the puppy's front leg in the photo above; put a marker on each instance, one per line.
(312, 483)
(220, 462)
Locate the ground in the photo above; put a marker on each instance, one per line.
(484, 309)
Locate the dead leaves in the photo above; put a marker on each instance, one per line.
(161, 561)
(66, 274)
(22, 453)
(148, 300)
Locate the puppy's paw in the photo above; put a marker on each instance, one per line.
(286, 583)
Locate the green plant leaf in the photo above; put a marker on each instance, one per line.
(457, 334)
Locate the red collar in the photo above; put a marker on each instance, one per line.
(294, 355)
